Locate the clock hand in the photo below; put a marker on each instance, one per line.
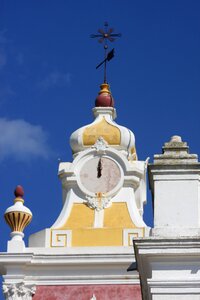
(99, 168)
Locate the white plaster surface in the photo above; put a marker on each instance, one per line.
(175, 296)
(169, 267)
(175, 180)
(169, 260)
(79, 265)
(176, 203)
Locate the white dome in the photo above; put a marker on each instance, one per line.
(118, 137)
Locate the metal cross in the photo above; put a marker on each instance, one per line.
(105, 36)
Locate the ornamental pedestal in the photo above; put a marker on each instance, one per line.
(17, 217)
(174, 181)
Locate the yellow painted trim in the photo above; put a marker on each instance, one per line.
(105, 89)
(135, 235)
(110, 133)
(134, 153)
(97, 237)
(118, 216)
(57, 239)
(81, 216)
(19, 199)
(81, 222)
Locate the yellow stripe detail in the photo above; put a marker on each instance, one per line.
(17, 220)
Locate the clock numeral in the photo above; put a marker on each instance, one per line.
(99, 169)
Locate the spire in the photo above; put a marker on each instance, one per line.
(104, 36)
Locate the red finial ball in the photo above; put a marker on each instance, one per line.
(104, 100)
(19, 191)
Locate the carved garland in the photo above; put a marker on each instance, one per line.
(18, 291)
(99, 202)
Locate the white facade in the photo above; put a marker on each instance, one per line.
(169, 260)
(169, 268)
(123, 180)
(106, 184)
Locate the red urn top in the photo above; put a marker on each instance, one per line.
(104, 99)
(19, 191)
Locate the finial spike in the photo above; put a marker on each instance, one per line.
(105, 36)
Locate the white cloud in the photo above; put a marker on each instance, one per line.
(22, 141)
(54, 79)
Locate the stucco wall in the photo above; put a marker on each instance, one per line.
(80, 292)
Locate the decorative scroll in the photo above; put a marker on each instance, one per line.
(99, 202)
(61, 238)
(18, 291)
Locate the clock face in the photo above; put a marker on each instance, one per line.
(100, 175)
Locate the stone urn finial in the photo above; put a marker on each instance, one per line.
(176, 138)
(18, 216)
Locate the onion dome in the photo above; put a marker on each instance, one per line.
(118, 137)
(104, 99)
(18, 216)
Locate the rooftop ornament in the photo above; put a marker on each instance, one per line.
(18, 216)
(105, 35)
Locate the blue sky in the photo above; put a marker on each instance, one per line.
(48, 84)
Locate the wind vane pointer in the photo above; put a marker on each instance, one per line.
(105, 36)
(109, 56)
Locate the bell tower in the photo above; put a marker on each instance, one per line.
(104, 188)
(87, 253)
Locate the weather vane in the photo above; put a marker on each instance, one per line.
(105, 36)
